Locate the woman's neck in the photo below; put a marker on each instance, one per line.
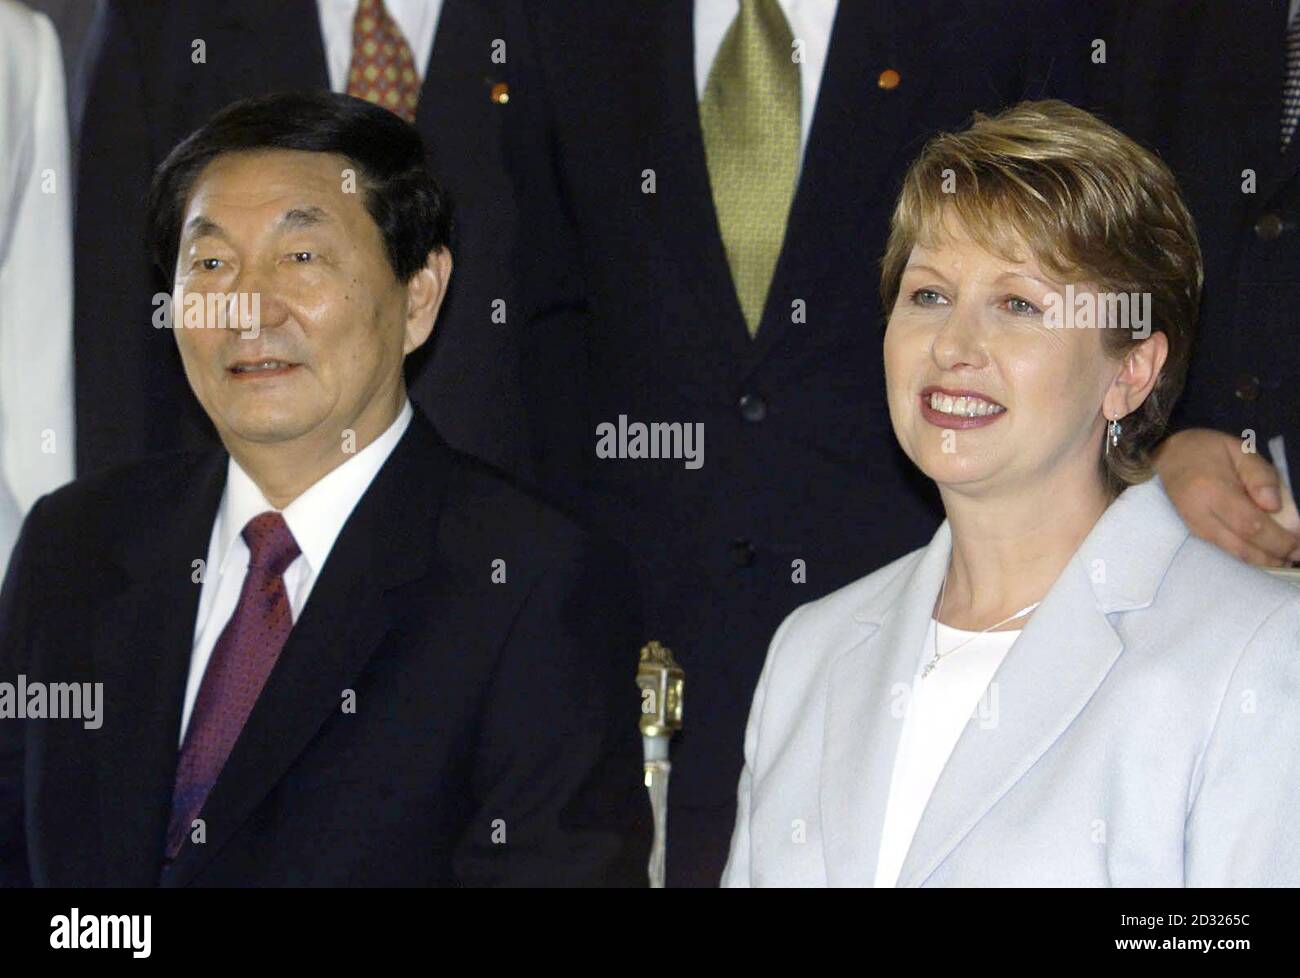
(1008, 549)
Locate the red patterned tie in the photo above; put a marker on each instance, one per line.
(241, 660)
(382, 69)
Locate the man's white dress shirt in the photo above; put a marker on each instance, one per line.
(417, 20)
(938, 709)
(810, 22)
(315, 519)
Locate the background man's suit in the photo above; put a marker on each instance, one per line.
(631, 311)
(1201, 83)
(494, 737)
(144, 95)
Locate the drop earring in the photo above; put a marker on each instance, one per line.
(1113, 431)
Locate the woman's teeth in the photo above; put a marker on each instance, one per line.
(965, 406)
(244, 368)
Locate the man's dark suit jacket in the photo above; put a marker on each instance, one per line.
(480, 707)
(1201, 82)
(145, 94)
(631, 311)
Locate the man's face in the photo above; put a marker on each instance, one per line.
(325, 354)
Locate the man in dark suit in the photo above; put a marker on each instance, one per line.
(632, 147)
(342, 653)
(1174, 65)
(156, 71)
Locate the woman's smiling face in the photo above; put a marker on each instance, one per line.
(983, 394)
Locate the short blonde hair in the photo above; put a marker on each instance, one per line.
(1093, 206)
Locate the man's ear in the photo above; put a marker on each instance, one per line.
(1141, 370)
(424, 293)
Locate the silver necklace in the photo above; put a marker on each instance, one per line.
(929, 666)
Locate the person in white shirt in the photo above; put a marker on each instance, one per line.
(36, 427)
(1064, 688)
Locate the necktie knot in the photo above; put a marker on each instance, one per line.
(271, 546)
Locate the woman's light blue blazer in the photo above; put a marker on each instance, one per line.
(1144, 730)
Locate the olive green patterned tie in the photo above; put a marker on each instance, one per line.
(750, 118)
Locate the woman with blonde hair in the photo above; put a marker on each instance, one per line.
(1064, 688)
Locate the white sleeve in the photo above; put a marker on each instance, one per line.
(37, 446)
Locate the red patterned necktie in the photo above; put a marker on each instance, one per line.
(237, 670)
(382, 69)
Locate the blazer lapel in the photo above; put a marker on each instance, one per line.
(868, 692)
(1062, 656)
(142, 637)
(381, 547)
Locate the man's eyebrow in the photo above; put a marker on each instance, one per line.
(303, 217)
(200, 226)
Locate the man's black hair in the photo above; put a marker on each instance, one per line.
(412, 211)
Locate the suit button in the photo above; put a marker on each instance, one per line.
(752, 407)
(1247, 387)
(742, 552)
(1269, 227)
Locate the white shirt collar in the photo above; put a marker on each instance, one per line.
(317, 516)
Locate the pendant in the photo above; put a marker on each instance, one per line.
(929, 667)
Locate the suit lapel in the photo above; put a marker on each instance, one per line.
(868, 691)
(689, 221)
(840, 173)
(279, 45)
(340, 627)
(1064, 653)
(1262, 54)
(142, 637)
(856, 131)
(459, 77)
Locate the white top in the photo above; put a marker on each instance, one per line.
(315, 519)
(936, 713)
(37, 442)
(810, 22)
(416, 19)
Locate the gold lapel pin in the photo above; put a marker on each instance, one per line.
(888, 79)
(500, 93)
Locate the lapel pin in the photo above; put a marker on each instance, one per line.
(500, 93)
(888, 79)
